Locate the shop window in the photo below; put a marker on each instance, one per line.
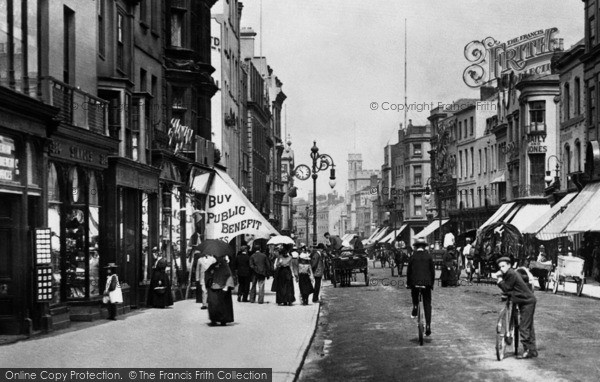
(74, 187)
(94, 236)
(33, 176)
(54, 219)
(75, 249)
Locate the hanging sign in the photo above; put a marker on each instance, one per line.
(42, 247)
(43, 282)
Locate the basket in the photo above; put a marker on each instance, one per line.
(570, 266)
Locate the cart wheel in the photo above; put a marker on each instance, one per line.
(579, 287)
(334, 278)
(366, 278)
(556, 282)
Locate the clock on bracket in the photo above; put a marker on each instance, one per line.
(302, 172)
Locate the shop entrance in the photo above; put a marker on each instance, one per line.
(10, 205)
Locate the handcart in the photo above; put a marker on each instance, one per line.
(346, 265)
(568, 268)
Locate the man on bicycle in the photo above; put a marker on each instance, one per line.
(511, 282)
(421, 272)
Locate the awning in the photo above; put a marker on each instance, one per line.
(527, 214)
(497, 215)
(586, 219)
(200, 183)
(393, 235)
(556, 228)
(229, 213)
(374, 233)
(549, 215)
(500, 179)
(431, 228)
(380, 235)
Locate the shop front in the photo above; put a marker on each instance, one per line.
(76, 211)
(133, 190)
(23, 126)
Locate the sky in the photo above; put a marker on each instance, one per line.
(338, 57)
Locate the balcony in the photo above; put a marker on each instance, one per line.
(77, 107)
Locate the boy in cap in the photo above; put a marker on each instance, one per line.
(511, 282)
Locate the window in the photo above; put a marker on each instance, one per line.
(417, 150)
(144, 11)
(177, 19)
(68, 45)
(577, 166)
(460, 163)
(537, 116)
(577, 97)
(155, 15)
(465, 126)
(472, 162)
(472, 198)
(592, 105)
(566, 102)
(418, 176)
(101, 34)
(536, 177)
(471, 127)
(143, 80)
(592, 31)
(480, 163)
(459, 130)
(485, 154)
(567, 158)
(120, 41)
(418, 204)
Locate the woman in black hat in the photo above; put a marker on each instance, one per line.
(112, 281)
(159, 293)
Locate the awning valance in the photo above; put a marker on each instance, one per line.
(229, 213)
(431, 228)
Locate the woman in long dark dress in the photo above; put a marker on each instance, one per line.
(159, 295)
(219, 283)
(284, 293)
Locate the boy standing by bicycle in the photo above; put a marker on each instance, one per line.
(511, 282)
(421, 271)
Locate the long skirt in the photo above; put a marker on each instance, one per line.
(220, 306)
(285, 286)
(306, 286)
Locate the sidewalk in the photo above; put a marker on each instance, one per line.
(262, 336)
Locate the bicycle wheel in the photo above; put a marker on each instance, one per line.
(420, 324)
(501, 331)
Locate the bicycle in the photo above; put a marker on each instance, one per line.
(507, 329)
(420, 314)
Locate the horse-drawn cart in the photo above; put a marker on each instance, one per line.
(344, 267)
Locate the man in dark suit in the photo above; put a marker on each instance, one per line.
(421, 272)
(241, 267)
(261, 269)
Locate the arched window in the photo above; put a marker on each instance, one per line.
(54, 218)
(567, 159)
(577, 158)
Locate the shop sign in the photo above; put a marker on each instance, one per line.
(9, 164)
(526, 54)
(131, 178)
(77, 153)
(536, 144)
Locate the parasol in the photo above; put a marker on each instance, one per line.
(216, 248)
(280, 239)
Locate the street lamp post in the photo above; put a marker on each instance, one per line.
(439, 202)
(320, 162)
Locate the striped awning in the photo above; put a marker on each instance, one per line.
(547, 217)
(527, 214)
(557, 227)
(431, 228)
(393, 235)
(498, 215)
